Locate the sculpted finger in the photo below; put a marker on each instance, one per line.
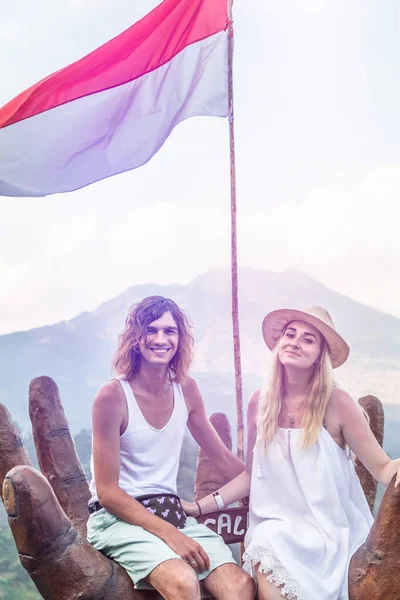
(56, 451)
(12, 450)
(374, 568)
(374, 409)
(60, 561)
(208, 477)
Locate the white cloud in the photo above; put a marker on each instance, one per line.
(316, 188)
(347, 238)
(85, 255)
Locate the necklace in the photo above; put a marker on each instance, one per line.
(292, 412)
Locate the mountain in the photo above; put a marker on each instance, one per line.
(78, 353)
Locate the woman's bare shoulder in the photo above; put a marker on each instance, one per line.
(341, 401)
(340, 395)
(254, 401)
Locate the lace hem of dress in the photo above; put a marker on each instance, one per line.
(274, 570)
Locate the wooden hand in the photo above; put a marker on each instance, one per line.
(49, 521)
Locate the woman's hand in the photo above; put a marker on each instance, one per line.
(190, 508)
(397, 472)
(235, 490)
(392, 468)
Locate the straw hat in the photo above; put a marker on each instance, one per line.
(276, 321)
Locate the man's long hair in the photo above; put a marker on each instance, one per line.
(318, 394)
(126, 360)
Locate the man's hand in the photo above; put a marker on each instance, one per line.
(188, 549)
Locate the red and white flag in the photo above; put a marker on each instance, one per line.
(112, 110)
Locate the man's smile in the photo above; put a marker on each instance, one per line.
(160, 350)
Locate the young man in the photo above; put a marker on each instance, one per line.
(139, 421)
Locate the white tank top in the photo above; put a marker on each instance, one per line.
(149, 456)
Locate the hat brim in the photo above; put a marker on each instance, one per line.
(275, 322)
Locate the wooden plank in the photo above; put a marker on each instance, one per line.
(230, 523)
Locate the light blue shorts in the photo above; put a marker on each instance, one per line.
(139, 551)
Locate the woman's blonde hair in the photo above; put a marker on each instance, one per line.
(127, 357)
(318, 394)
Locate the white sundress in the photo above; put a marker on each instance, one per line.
(308, 515)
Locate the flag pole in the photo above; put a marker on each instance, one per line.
(234, 265)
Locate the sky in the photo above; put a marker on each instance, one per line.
(317, 117)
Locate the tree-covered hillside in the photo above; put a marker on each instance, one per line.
(15, 583)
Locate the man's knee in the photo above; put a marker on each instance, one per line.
(185, 584)
(231, 582)
(175, 580)
(240, 584)
(244, 584)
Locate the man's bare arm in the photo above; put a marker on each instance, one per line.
(205, 434)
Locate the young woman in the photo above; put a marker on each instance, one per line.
(308, 512)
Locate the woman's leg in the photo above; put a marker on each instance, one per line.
(266, 590)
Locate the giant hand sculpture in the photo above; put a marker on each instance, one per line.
(49, 521)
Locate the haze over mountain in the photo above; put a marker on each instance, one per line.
(77, 353)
